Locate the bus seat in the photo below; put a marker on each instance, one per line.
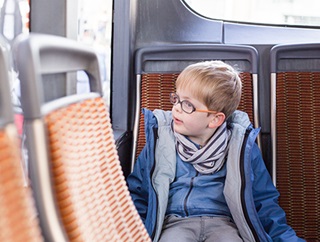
(295, 122)
(81, 193)
(18, 220)
(157, 68)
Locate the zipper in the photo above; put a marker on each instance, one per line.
(243, 182)
(155, 135)
(188, 194)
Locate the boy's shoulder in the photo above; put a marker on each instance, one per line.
(239, 118)
(160, 116)
(163, 117)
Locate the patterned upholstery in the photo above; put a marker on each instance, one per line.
(18, 220)
(298, 150)
(92, 196)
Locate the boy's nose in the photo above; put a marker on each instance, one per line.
(177, 107)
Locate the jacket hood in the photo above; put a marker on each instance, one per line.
(239, 118)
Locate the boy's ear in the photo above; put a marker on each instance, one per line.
(217, 120)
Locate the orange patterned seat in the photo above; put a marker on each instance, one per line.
(80, 188)
(18, 221)
(92, 195)
(18, 217)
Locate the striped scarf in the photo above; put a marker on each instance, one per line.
(210, 158)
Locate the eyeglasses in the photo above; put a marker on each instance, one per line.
(187, 106)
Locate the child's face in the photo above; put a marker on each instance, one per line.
(198, 126)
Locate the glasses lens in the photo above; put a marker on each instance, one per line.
(187, 106)
(174, 99)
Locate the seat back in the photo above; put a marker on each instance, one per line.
(81, 191)
(18, 221)
(295, 122)
(158, 67)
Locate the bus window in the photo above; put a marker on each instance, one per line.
(94, 29)
(284, 12)
(14, 16)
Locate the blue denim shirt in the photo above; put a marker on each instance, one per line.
(195, 194)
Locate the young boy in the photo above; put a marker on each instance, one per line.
(201, 176)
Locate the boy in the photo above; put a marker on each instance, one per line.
(201, 176)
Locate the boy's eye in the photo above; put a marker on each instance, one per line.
(188, 105)
(175, 99)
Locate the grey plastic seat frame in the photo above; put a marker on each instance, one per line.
(281, 53)
(160, 59)
(6, 111)
(36, 55)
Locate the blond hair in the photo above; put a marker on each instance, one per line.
(214, 83)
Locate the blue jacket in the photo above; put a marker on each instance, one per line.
(249, 191)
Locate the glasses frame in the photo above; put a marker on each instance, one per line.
(173, 94)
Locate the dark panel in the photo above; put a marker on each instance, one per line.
(170, 21)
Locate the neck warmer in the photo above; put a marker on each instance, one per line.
(210, 158)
